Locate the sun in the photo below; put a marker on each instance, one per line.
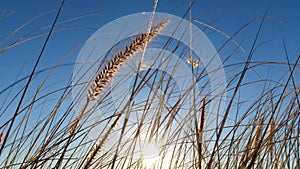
(154, 161)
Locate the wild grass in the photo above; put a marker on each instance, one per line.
(261, 132)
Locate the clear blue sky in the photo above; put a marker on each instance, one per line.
(283, 25)
(234, 14)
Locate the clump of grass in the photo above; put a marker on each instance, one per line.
(103, 79)
(259, 133)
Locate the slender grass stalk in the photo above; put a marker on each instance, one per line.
(92, 155)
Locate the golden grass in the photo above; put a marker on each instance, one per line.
(252, 133)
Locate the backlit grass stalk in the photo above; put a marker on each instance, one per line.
(93, 153)
(113, 66)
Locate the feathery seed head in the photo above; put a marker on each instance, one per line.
(112, 67)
